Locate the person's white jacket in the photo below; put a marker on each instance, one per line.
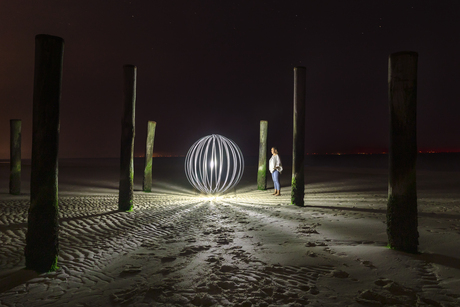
(275, 164)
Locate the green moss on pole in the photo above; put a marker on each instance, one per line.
(126, 187)
(402, 193)
(15, 156)
(148, 162)
(298, 150)
(42, 242)
(262, 170)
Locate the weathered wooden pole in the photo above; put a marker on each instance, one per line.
(262, 170)
(298, 150)
(42, 242)
(15, 156)
(402, 193)
(125, 198)
(147, 183)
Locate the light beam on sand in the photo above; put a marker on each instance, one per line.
(214, 164)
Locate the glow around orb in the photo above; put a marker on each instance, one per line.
(214, 164)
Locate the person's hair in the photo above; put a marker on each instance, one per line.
(275, 150)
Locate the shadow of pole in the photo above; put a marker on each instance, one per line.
(16, 278)
(66, 219)
(439, 259)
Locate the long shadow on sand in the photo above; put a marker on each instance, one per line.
(173, 189)
(13, 226)
(66, 219)
(438, 259)
(359, 189)
(348, 209)
(13, 279)
(90, 184)
(424, 214)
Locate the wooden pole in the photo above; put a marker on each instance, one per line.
(298, 150)
(262, 170)
(42, 244)
(125, 198)
(147, 183)
(402, 193)
(15, 156)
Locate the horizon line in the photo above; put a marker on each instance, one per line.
(308, 154)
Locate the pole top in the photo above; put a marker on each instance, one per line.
(47, 36)
(402, 53)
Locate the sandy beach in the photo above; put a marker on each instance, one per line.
(245, 248)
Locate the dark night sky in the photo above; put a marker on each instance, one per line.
(222, 66)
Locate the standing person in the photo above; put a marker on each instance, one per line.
(276, 168)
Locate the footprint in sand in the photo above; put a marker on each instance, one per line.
(130, 270)
(366, 263)
(168, 259)
(193, 249)
(314, 244)
(307, 229)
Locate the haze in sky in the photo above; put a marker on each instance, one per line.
(220, 67)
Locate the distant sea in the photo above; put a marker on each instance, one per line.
(425, 161)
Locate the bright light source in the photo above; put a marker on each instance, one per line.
(214, 164)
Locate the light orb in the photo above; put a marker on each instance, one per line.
(214, 164)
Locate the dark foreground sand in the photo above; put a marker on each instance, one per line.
(247, 248)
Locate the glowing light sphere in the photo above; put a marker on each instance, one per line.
(214, 164)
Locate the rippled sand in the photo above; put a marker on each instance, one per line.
(247, 248)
